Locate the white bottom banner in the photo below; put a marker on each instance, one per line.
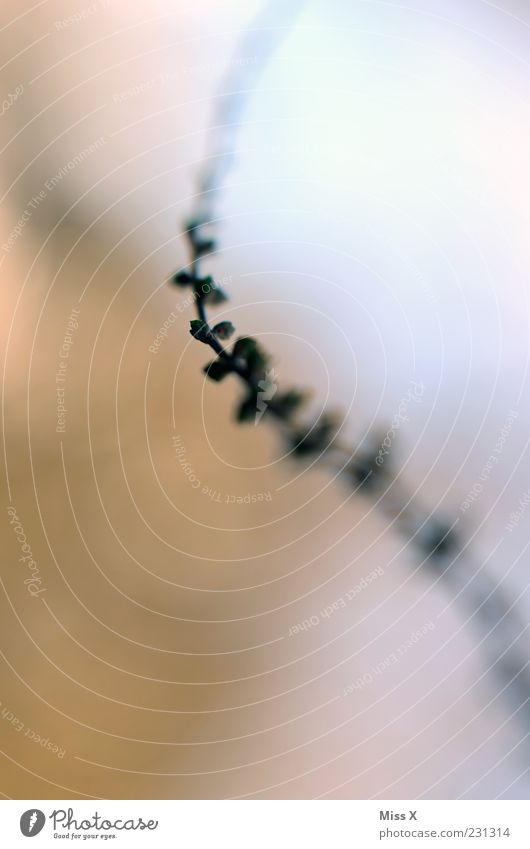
(262, 824)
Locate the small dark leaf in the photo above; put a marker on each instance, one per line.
(365, 472)
(182, 278)
(215, 296)
(193, 225)
(244, 346)
(247, 409)
(200, 241)
(217, 370)
(256, 363)
(224, 329)
(197, 328)
(439, 540)
(247, 349)
(369, 467)
(204, 246)
(285, 405)
(210, 292)
(316, 439)
(206, 284)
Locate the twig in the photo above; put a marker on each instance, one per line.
(437, 539)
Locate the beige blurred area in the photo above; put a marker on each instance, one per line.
(175, 549)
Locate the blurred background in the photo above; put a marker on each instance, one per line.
(185, 613)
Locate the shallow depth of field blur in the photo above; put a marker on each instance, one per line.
(373, 234)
